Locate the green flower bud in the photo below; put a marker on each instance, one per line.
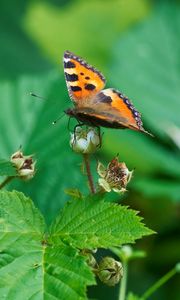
(91, 261)
(84, 141)
(115, 177)
(24, 165)
(110, 271)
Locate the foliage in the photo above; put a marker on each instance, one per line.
(30, 266)
(32, 128)
(36, 264)
(93, 223)
(149, 74)
(71, 28)
(135, 44)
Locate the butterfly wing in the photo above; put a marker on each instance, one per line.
(110, 108)
(83, 81)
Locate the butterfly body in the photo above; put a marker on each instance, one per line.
(87, 117)
(94, 105)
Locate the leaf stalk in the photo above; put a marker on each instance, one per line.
(123, 285)
(158, 284)
(6, 181)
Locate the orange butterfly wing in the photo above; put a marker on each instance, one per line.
(114, 110)
(94, 106)
(83, 80)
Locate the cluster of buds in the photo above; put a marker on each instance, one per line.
(110, 271)
(84, 141)
(115, 177)
(24, 164)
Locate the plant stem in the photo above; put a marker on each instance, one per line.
(89, 175)
(159, 283)
(6, 181)
(123, 285)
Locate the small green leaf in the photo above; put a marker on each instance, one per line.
(7, 168)
(91, 223)
(30, 267)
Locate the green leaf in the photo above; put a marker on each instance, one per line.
(145, 67)
(155, 69)
(21, 233)
(43, 18)
(66, 273)
(30, 267)
(7, 168)
(19, 215)
(158, 188)
(29, 122)
(26, 57)
(91, 223)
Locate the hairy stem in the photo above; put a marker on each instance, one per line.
(159, 283)
(89, 175)
(6, 181)
(123, 285)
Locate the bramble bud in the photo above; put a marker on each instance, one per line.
(115, 177)
(84, 141)
(110, 271)
(24, 165)
(91, 261)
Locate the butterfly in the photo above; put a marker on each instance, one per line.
(94, 105)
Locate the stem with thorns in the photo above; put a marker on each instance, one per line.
(89, 175)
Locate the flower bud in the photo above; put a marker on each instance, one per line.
(115, 177)
(91, 261)
(24, 165)
(110, 271)
(84, 140)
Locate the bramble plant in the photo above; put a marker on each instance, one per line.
(58, 262)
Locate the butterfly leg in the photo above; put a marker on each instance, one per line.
(69, 123)
(75, 127)
(100, 135)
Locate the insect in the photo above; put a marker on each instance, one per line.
(94, 105)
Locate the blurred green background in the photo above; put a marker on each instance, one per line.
(136, 44)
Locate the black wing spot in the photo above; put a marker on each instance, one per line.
(82, 73)
(76, 88)
(71, 77)
(90, 87)
(87, 77)
(69, 65)
(104, 98)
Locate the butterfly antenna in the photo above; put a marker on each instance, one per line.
(60, 117)
(37, 96)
